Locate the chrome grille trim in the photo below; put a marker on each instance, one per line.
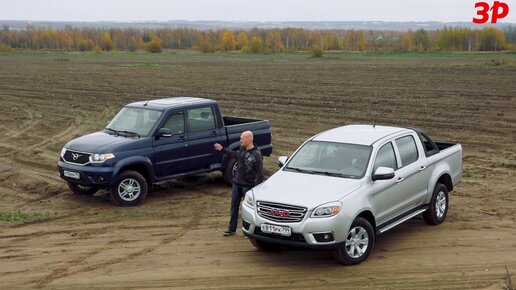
(277, 212)
(83, 159)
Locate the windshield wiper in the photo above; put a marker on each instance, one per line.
(112, 130)
(331, 173)
(301, 170)
(336, 174)
(130, 133)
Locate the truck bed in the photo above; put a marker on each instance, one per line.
(260, 128)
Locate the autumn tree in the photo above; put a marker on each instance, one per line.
(154, 46)
(242, 40)
(256, 45)
(106, 43)
(492, 39)
(227, 41)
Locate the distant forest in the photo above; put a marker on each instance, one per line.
(258, 40)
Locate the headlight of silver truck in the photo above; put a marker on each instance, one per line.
(327, 209)
(249, 199)
(99, 158)
(63, 151)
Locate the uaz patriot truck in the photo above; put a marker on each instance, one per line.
(156, 140)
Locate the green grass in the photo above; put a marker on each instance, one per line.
(149, 59)
(23, 216)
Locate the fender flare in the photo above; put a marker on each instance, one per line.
(134, 161)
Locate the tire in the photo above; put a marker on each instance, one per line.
(81, 189)
(229, 171)
(130, 189)
(438, 208)
(264, 246)
(358, 245)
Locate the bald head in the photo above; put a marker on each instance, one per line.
(246, 139)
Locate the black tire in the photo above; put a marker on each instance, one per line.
(130, 189)
(229, 171)
(81, 189)
(264, 246)
(358, 245)
(438, 208)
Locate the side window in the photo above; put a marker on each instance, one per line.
(176, 124)
(408, 150)
(385, 157)
(201, 119)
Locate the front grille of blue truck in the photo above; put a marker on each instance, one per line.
(76, 157)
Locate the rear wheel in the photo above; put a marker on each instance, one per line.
(82, 189)
(264, 246)
(130, 189)
(358, 245)
(438, 208)
(230, 171)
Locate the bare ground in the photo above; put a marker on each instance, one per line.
(175, 238)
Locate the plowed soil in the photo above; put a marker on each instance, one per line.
(61, 240)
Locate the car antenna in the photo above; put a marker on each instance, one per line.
(146, 103)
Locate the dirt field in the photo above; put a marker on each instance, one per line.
(51, 238)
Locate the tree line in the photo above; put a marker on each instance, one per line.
(259, 40)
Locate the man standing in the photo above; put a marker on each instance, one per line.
(249, 173)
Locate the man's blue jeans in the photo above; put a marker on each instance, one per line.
(237, 193)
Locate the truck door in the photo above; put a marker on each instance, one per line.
(203, 132)
(171, 153)
(412, 174)
(386, 193)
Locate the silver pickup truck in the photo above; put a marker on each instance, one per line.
(344, 186)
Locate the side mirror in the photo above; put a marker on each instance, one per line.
(165, 132)
(282, 160)
(383, 173)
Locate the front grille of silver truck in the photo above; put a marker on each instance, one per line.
(280, 212)
(75, 157)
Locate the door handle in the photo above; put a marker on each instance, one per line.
(422, 168)
(400, 179)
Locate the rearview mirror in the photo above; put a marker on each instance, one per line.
(165, 132)
(282, 160)
(383, 173)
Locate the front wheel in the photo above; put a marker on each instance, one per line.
(130, 189)
(438, 208)
(82, 189)
(358, 245)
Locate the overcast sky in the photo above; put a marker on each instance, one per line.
(245, 10)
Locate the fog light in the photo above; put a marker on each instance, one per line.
(324, 237)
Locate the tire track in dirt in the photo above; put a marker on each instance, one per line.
(63, 272)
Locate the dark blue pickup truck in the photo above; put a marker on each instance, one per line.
(152, 141)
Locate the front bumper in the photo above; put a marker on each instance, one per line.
(97, 176)
(306, 233)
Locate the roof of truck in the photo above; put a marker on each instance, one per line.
(358, 134)
(173, 102)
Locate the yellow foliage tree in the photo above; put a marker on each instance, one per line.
(228, 41)
(256, 45)
(106, 42)
(242, 40)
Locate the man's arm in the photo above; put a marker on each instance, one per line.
(219, 147)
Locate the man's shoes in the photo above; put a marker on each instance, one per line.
(229, 233)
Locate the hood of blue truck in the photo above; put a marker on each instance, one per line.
(100, 142)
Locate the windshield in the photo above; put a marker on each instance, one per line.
(329, 158)
(134, 121)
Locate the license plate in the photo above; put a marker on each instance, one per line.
(71, 174)
(273, 229)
